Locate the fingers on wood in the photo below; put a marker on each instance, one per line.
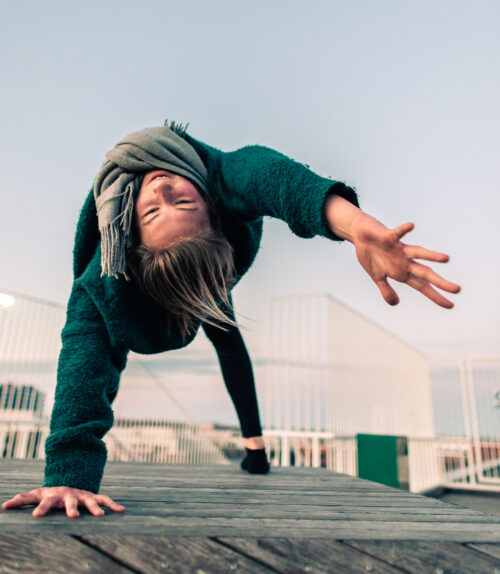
(93, 507)
(105, 500)
(20, 499)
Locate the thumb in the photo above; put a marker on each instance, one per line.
(402, 230)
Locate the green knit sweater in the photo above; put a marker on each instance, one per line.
(107, 317)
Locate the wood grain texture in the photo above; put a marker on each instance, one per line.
(222, 500)
(45, 554)
(419, 557)
(490, 549)
(155, 554)
(159, 553)
(293, 556)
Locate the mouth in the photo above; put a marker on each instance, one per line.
(159, 175)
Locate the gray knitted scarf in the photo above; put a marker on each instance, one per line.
(118, 182)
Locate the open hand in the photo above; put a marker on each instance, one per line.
(383, 255)
(60, 497)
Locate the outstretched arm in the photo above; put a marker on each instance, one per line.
(254, 181)
(383, 255)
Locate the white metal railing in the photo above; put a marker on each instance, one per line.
(311, 449)
(149, 424)
(131, 441)
(451, 463)
(314, 397)
(480, 381)
(332, 369)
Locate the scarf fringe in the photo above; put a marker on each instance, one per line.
(113, 259)
(179, 129)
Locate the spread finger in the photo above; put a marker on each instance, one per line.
(402, 230)
(21, 499)
(430, 275)
(93, 507)
(72, 506)
(104, 500)
(43, 507)
(426, 289)
(417, 252)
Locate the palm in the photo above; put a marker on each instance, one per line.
(383, 255)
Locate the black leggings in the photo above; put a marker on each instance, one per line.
(238, 376)
(237, 372)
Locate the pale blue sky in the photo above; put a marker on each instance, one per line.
(398, 98)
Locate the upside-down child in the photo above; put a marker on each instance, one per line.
(169, 227)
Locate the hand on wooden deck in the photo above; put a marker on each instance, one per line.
(49, 497)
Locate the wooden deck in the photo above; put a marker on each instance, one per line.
(215, 519)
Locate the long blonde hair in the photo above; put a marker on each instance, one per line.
(190, 278)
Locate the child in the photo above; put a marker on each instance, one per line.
(169, 227)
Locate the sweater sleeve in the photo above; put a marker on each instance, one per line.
(88, 376)
(258, 181)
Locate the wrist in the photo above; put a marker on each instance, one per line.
(344, 218)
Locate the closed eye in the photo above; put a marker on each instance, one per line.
(176, 203)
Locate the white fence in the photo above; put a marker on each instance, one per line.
(131, 441)
(333, 370)
(480, 378)
(318, 450)
(316, 397)
(150, 425)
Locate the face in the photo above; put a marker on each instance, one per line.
(167, 208)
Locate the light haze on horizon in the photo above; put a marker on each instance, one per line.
(398, 99)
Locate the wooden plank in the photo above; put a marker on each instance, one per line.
(154, 492)
(153, 554)
(429, 557)
(490, 549)
(290, 555)
(235, 510)
(223, 508)
(255, 496)
(276, 504)
(136, 476)
(46, 554)
(174, 525)
(203, 510)
(242, 496)
(120, 471)
(247, 480)
(314, 505)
